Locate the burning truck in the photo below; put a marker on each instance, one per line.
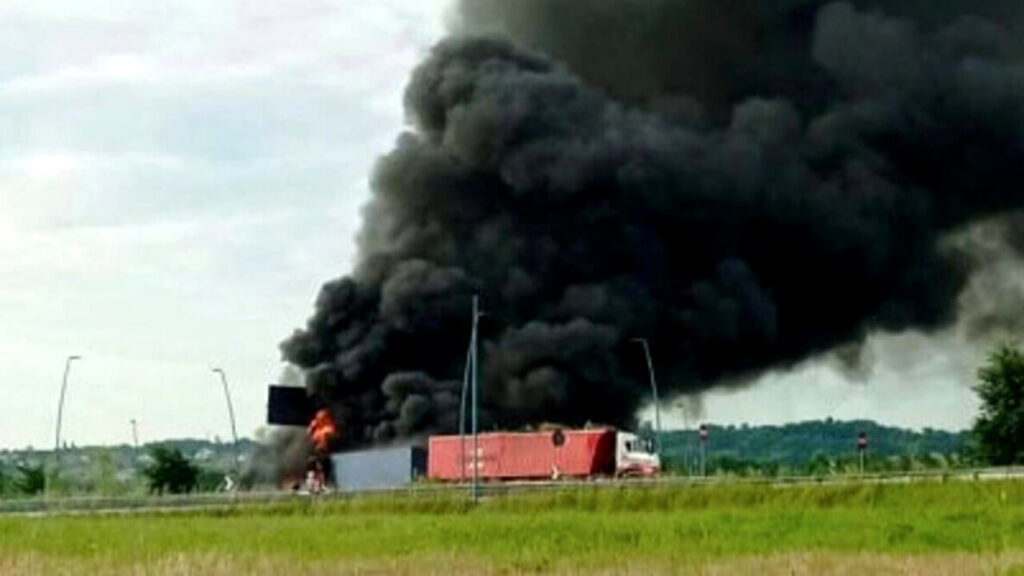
(552, 453)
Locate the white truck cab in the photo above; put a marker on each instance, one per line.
(635, 456)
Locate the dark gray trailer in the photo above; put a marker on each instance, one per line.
(379, 468)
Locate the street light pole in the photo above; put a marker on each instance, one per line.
(462, 410)
(654, 391)
(476, 397)
(231, 414)
(135, 434)
(60, 406)
(703, 450)
(470, 387)
(135, 449)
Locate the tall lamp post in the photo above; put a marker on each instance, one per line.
(135, 433)
(475, 384)
(471, 387)
(231, 414)
(60, 406)
(462, 409)
(654, 391)
(135, 447)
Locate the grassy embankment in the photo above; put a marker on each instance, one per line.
(929, 528)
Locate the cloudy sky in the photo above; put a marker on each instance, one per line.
(178, 178)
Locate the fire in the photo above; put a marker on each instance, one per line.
(321, 430)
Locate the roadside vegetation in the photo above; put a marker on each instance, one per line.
(976, 525)
(175, 467)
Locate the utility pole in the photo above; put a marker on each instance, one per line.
(231, 415)
(654, 391)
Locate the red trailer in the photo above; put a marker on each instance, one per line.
(540, 455)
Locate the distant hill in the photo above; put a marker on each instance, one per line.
(795, 445)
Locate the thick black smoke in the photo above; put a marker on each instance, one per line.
(744, 183)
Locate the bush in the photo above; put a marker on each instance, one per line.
(171, 471)
(999, 429)
(31, 480)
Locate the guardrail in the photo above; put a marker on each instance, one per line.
(127, 504)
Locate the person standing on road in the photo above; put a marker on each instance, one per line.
(322, 431)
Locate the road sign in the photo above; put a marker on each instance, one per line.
(862, 441)
(289, 406)
(703, 432)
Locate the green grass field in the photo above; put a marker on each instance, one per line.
(927, 528)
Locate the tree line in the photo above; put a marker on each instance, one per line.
(824, 447)
(175, 466)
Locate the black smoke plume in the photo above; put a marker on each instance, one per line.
(745, 183)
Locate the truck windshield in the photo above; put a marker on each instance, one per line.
(640, 445)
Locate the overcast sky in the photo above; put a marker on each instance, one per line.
(178, 178)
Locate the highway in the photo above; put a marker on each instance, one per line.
(170, 504)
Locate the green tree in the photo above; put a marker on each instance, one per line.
(31, 480)
(999, 428)
(170, 471)
(5, 481)
(210, 480)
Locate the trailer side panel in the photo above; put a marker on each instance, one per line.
(378, 469)
(524, 455)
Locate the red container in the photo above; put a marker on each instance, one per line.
(524, 455)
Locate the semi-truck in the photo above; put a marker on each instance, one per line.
(548, 454)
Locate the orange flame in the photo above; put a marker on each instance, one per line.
(321, 430)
